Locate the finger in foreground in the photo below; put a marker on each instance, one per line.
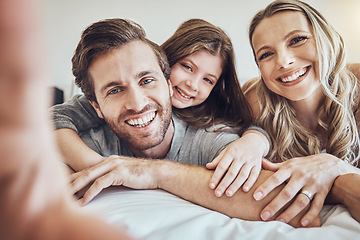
(254, 174)
(89, 175)
(239, 180)
(300, 203)
(314, 212)
(271, 183)
(221, 168)
(284, 197)
(233, 171)
(100, 183)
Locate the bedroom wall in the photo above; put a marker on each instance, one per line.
(65, 19)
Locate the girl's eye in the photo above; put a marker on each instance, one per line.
(298, 39)
(187, 67)
(265, 55)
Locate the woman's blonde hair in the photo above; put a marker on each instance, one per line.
(338, 84)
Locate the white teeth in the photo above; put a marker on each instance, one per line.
(294, 76)
(183, 94)
(142, 122)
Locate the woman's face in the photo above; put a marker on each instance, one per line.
(285, 49)
(194, 77)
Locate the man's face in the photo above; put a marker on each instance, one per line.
(133, 96)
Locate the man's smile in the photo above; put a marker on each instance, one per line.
(142, 121)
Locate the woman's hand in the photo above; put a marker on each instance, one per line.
(239, 163)
(313, 174)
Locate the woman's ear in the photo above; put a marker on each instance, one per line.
(97, 108)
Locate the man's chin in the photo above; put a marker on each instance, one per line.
(143, 144)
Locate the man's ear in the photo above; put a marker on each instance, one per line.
(97, 109)
(170, 88)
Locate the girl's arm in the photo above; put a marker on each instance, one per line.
(71, 118)
(77, 114)
(76, 154)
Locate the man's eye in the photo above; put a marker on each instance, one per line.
(147, 81)
(114, 91)
(265, 55)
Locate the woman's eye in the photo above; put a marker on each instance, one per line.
(265, 55)
(208, 81)
(297, 40)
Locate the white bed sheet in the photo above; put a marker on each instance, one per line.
(157, 214)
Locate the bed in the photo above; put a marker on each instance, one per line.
(157, 214)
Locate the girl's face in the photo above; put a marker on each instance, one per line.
(194, 77)
(285, 50)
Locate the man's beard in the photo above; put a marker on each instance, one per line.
(143, 141)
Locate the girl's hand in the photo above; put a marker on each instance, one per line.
(239, 163)
(314, 174)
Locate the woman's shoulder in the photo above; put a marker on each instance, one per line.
(355, 69)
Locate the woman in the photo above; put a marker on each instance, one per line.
(307, 100)
(206, 92)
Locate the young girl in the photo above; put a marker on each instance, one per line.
(206, 92)
(307, 100)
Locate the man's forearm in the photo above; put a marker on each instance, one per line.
(346, 191)
(191, 183)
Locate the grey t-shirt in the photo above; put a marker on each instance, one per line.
(189, 145)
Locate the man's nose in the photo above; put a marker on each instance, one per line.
(135, 100)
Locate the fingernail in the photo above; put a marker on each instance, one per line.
(229, 193)
(265, 215)
(246, 189)
(258, 196)
(305, 222)
(218, 193)
(280, 220)
(80, 202)
(212, 185)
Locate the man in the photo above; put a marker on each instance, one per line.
(34, 202)
(125, 78)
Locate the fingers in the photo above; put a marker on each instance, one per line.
(266, 164)
(235, 178)
(220, 170)
(99, 184)
(316, 206)
(300, 203)
(254, 174)
(215, 162)
(271, 183)
(81, 179)
(283, 198)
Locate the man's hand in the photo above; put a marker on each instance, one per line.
(115, 171)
